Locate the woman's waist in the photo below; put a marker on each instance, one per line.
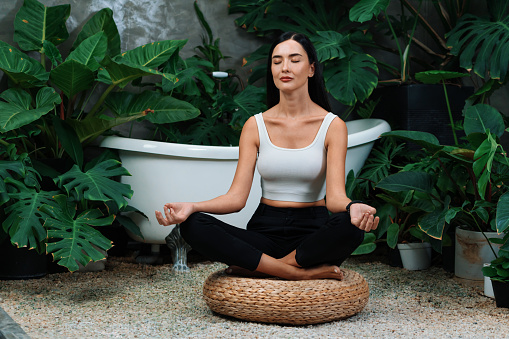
(292, 204)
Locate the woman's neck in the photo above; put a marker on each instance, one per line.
(295, 105)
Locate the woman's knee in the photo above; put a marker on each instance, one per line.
(341, 221)
(192, 226)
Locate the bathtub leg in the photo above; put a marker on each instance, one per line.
(179, 249)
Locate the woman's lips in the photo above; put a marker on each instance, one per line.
(285, 79)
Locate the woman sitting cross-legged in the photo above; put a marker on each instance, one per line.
(295, 233)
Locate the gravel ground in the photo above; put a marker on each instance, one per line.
(129, 300)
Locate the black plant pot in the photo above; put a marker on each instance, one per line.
(20, 263)
(420, 107)
(501, 292)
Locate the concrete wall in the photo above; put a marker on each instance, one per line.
(143, 21)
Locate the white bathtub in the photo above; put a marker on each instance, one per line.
(166, 172)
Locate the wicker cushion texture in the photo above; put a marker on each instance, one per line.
(273, 300)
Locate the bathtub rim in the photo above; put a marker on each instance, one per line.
(377, 127)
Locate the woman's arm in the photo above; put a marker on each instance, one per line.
(336, 143)
(236, 197)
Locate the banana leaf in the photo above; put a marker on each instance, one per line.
(20, 68)
(36, 22)
(72, 239)
(17, 111)
(102, 21)
(97, 184)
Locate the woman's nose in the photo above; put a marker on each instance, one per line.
(286, 66)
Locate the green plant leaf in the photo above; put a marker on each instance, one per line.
(351, 79)
(96, 183)
(118, 74)
(330, 45)
(367, 246)
(90, 50)
(424, 139)
(69, 140)
(503, 213)
(36, 22)
(433, 224)
(482, 118)
(482, 45)
(393, 235)
(364, 10)
(72, 77)
(102, 21)
(52, 53)
(20, 68)
(166, 109)
(438, 76)
(484, 156)
(244, 105)
(24, 222)
(72, 240)
(404, 181)
(16, 112)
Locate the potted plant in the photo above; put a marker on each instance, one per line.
(56, 106)
(498, 271)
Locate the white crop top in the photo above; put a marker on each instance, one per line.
(289, 174)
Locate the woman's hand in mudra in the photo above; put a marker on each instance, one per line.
(174, 213)
(363, 217)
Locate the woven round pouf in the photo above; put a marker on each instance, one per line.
(273, 300)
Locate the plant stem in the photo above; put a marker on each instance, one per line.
(101, 100)
(450, 113)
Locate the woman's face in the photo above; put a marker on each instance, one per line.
(290, 66)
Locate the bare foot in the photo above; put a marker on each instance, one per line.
(322, 272)
(237, 270)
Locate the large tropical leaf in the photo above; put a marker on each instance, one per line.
(7, 168)
(367, 246)
(330, 45)
(353, 79)
(72, 77)
(36, 22)
(17, 111)
(503, 213)
(481, 117)
(151, 55)
(96, 183)
(69, 140)
(484, 156)
(119, 74)
(424, 139)
(405, 181)
(438, 76)
(482, 45)
(90, 50)
(364, 10)
(244, 104)
(20, 68)
(72, 239)
(156, 107)
(24, 222)
(102, 21)
(433, 224)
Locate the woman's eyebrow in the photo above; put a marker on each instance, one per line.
(291, 55)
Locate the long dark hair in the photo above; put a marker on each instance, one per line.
(316, 87)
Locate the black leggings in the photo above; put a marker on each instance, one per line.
(318, 237)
